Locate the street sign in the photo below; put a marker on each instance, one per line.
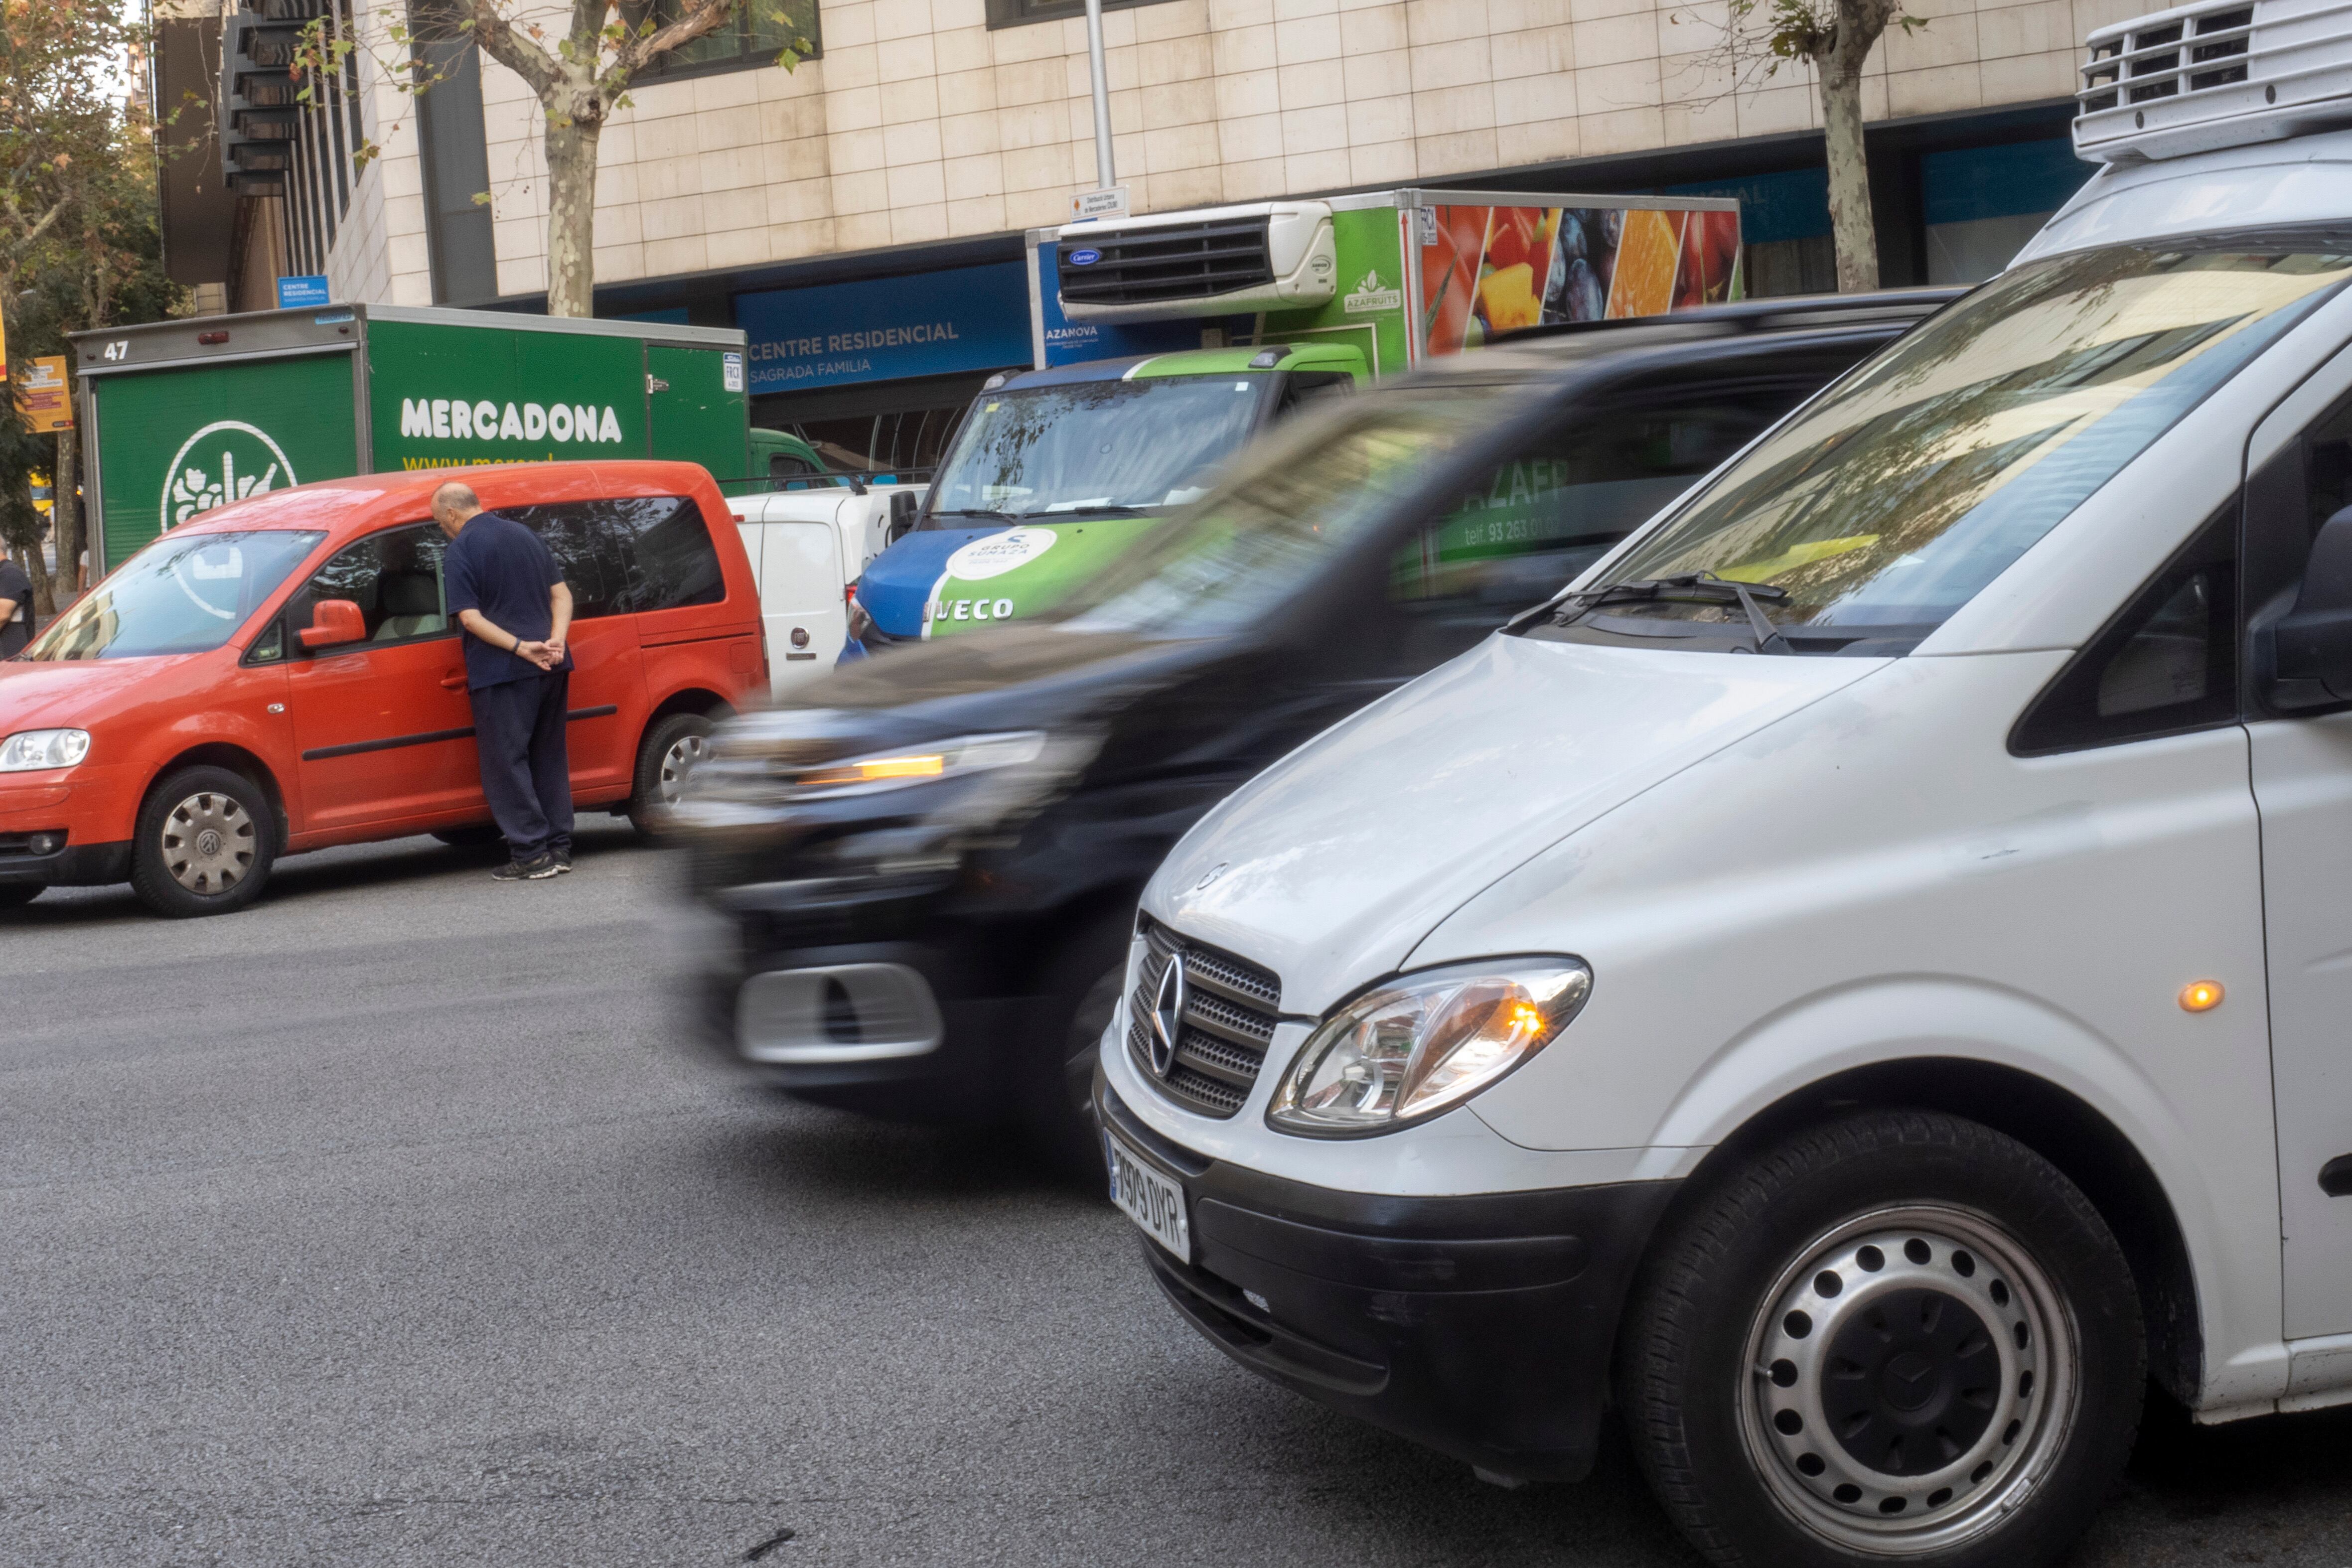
(293, 293)
(1107, 203)
(41, 395)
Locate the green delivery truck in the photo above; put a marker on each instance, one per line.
(183, 416)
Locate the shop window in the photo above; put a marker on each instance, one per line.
(2168, 663)
(754, 35)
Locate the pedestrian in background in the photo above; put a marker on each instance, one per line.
(509, 597)
(16, 605)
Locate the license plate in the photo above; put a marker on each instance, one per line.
(1150, 1199)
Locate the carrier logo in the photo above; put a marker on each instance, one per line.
(1168, 1015)
(1369, 297)
(226, 460)
(1085, 257)
(455, 419)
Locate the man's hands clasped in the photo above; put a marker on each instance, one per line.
(546, 656)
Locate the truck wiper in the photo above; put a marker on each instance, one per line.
(993, 517)
(1697, 587)
(1081, 514)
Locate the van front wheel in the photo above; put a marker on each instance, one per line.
(206, 840)
(1898, 1337)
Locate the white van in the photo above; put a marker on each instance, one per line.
(807, 547)
(1864, 982)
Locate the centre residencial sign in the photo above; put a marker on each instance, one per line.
(886, 329)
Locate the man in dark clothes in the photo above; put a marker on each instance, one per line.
(16, 605)
(508, 595)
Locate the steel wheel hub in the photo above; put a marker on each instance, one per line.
(676, 763)
(1912, 1378)
(208, 844)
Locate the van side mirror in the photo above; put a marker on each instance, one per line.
(334, 621)
(903, 506)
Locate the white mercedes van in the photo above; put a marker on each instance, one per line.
(1864, 982)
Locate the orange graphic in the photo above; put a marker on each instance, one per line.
(1643, 283)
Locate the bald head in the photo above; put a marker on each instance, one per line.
(452, 504)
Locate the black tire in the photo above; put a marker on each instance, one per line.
(16, 895)
(1056, 1089)
(659, 769)
(481, 835)
(1807, 1467)
(179, 872)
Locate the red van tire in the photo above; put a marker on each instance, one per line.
(669, 752)
(206, 842)
(479, 835)
(16, 895)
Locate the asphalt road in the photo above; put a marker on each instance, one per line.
(382, 1224)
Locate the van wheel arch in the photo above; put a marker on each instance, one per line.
(2054, 1123)
(237, 760)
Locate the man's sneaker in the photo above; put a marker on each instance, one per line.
(562, 860)
(537, 869)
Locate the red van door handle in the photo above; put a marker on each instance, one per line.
(454, 681)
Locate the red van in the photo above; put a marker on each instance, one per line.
(280, 674)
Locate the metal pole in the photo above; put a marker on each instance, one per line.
(1106, 174)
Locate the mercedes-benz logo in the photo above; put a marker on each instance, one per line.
(1168, 1015)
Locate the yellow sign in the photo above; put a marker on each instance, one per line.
(41, 394)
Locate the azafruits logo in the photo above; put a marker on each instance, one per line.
(1369, 297)
(226, 460)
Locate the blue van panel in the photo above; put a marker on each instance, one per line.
(898, 582)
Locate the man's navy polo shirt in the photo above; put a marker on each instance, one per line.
(499, 568)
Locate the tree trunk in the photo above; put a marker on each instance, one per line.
(1840, 70)
(67, 510)
(571, 212)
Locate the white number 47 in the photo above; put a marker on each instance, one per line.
(118, 350)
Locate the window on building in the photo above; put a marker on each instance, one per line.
(1018, 13)
(758, 31)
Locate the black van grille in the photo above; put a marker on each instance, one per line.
(1229, 1016)
(1181, 261)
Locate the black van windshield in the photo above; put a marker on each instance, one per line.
(1895, 498)
(1302, 494)
(185, 594)
(1093, 447)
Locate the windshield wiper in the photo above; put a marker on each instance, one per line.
(1697, 587)
(1080, 514)
(993, 517)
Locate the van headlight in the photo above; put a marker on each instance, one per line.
(29, 750)
(1423, 1043)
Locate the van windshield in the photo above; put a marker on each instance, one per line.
(1902, 492)
(1093, 447)
(1300, 496)
(180, 595)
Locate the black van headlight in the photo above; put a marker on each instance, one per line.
(1420, 1044)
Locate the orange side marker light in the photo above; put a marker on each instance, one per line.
(2201, 996)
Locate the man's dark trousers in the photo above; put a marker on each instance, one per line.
(526, 771)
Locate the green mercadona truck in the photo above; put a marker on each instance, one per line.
(1165, 342)
(183, 416)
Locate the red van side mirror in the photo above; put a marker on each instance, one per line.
(334, 621)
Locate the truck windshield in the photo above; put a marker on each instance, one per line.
(1301, 496)
(1887, 503)
(179, 595)
(1094, 446)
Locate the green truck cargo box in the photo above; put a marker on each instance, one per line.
(183, 416)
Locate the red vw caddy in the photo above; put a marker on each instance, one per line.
(281, 675)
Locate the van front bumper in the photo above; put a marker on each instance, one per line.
(1481, 1326)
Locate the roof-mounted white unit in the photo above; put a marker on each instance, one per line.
(1210, 261)
(2223, 73)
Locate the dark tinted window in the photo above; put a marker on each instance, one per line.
(636, 553)
(589, 550)
(395, 578)
(1539, 520)
(2169, 663)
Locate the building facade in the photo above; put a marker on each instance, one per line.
(892, 172)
